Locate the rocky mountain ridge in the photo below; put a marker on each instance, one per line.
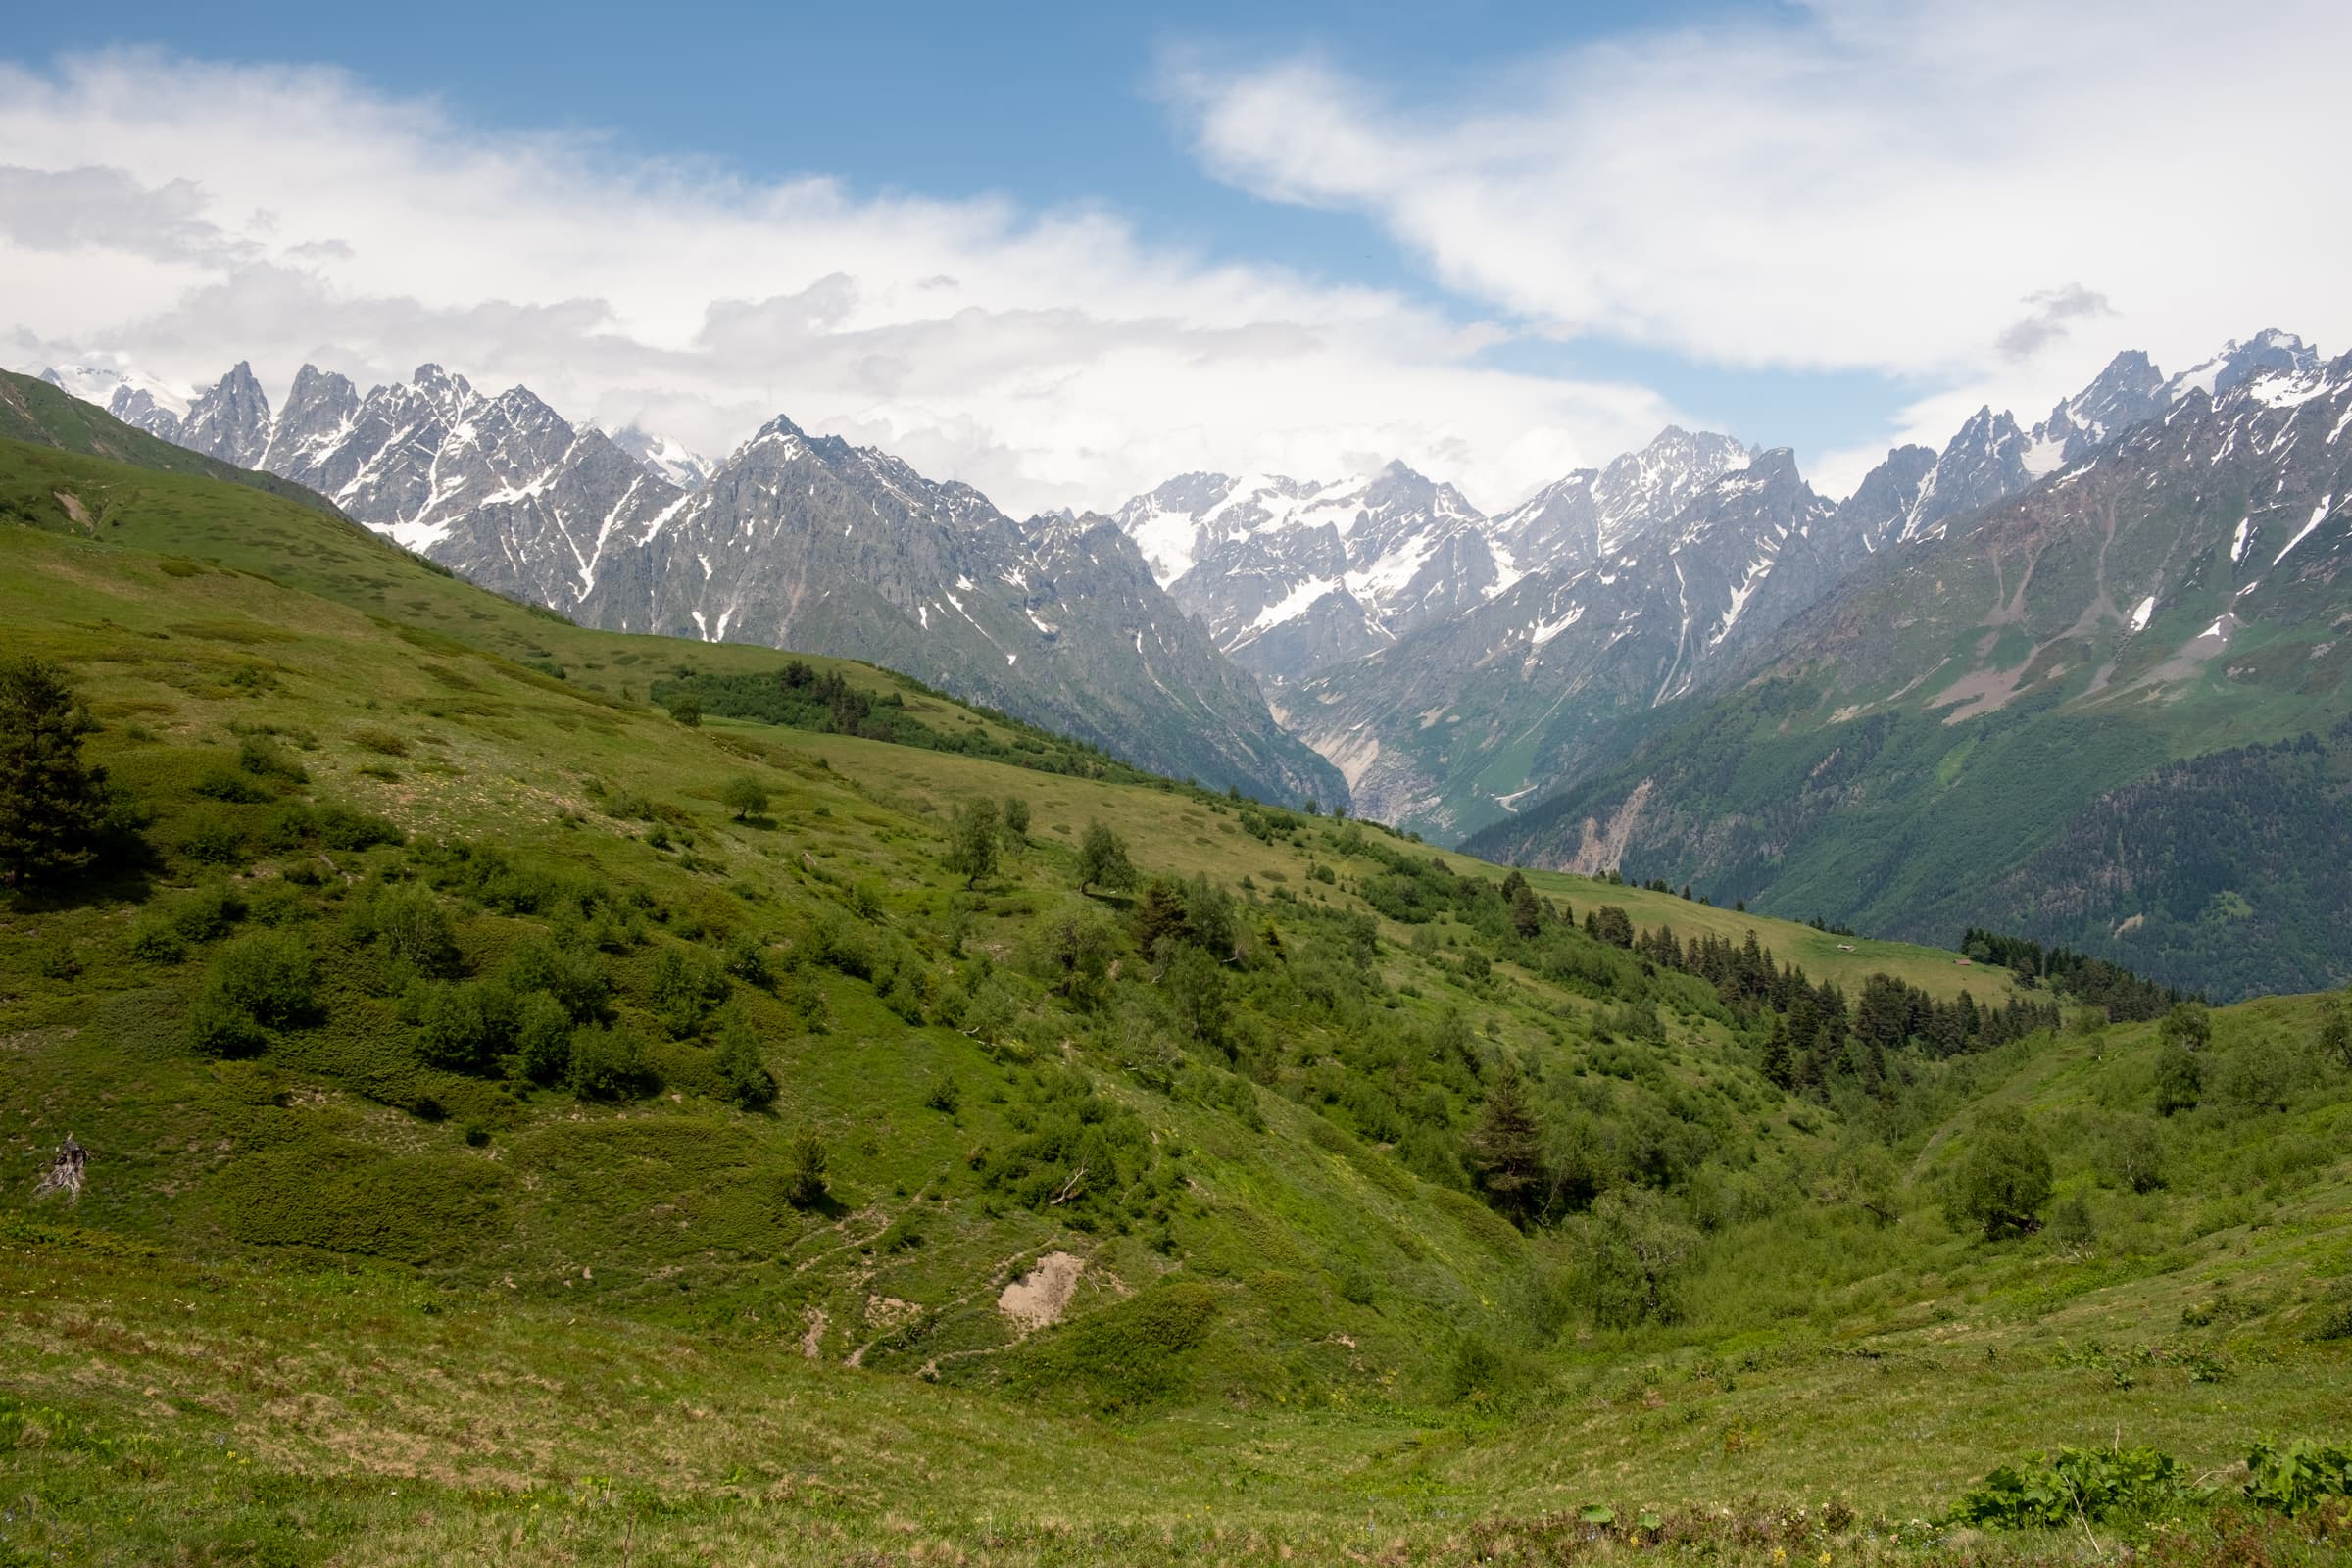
(793, 541)
(1614, 591)
(2114, 710)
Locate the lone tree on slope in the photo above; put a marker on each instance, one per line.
(53, 805)
(972, 837)
(1102, 861)
(745, 796)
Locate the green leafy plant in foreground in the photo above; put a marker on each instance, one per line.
(2088, 1485)
(2296, 1477)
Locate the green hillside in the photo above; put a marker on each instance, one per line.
(33, 411)
(525, 1126)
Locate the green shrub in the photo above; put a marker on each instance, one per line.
(747, 961)
(1637, 1260)
(748, 1081)
(2179, 1078)
(806, 1182)
(572, 977)
(1479, 1374)
(154, 941)
(2052, 1492)
(218, 1027)
(227, 785)
(2133, 1154)
(211, 838)
(205, 914)
(2297, 1478)
(339, 828)
(2188, 1026)
(412, 927)
(609, 1063)
(2260, 1075)
(1133, 1353)
(347, 1197)
(2003, 1180)
(382, 742)
(687, 984)
(840, 946)
(464, 1027)
(944, 1095)
(263, 758)
(543, 1038)
(266, 974)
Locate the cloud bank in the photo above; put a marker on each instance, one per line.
(187, 215)
(1985, 199)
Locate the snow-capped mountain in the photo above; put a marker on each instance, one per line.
(131, 395)
(1292, 577)
(1450, 727)
(666, 459)
(796, 541)
(1991, 458)
(1459, 724)
(2113, 710)
(1586, 516)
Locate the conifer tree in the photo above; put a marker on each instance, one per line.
(1505, 1152)
(53, 805)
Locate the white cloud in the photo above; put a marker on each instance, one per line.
(188, 215)
(1988, 198)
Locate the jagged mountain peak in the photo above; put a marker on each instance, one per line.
(797, 540)
(665, 458)
(2241, 360)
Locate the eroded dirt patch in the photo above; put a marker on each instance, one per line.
(1040, 1297)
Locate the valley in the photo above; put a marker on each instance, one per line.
(530, 1114)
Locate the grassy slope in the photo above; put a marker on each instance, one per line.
(615, 1357)
(33, 411)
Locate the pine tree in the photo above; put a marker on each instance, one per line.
(1779, 1060)
(53, 806)
(1526, 915)
(1505, 1152)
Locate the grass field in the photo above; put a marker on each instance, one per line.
(344, 1297)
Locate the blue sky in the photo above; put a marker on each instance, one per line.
(1594, 191)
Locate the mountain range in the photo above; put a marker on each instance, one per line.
(1621, 672)
(2111, 710)
(793, 541)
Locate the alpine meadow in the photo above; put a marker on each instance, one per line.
(565, 1000)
